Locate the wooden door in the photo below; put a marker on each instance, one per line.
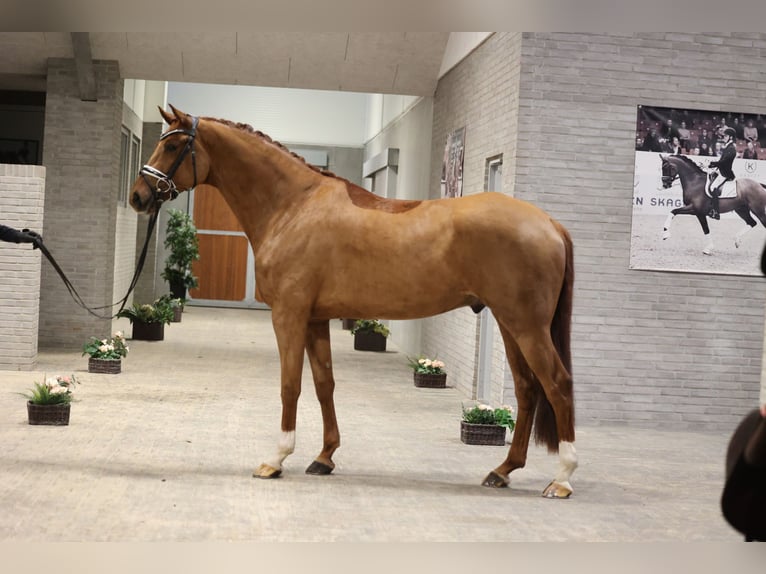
(225, 268)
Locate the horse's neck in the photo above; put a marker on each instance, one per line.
(256, 177)
(689, 176)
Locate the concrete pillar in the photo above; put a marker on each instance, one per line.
(82, 157)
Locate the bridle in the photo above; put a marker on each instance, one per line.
(165, 188)
(670, 177)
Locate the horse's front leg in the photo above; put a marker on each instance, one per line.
(685, 210)
(290, 329)
(708, 250)
(320, 358)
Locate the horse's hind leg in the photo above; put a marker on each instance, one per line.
(543, 359)
(320, 358)
(744, 213)
(526, 387)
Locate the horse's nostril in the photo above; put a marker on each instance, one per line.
(136, 199)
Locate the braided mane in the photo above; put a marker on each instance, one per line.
(247, 128)
(690, 162)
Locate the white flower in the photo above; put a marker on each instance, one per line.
(483, 407)
(59, 390)
(437, 364)
(103, 348)
(422, 361)
(118, 335)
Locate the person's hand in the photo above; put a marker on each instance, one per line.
(34, 238)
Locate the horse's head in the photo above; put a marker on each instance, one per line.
(669, 172)
(177, 164)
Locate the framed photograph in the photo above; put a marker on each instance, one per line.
(673, 222)
(452, 166)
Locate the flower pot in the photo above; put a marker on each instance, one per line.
(471, 433)
(57, 415)
(109, 366)
(369, 341)
(177, 314)
(348, 324)
(148, 331)
(177, 287)
(430, 381)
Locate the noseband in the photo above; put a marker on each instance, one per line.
(165, 188)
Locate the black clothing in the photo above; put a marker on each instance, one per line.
(651, 143)
(743, 501)
(724, 163)
(12, 235)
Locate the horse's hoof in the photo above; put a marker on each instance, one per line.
(666, 235)
(494, 480)
(319, 468)
(560, 490)
(266, 471)
(707, 251)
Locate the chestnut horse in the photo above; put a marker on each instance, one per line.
(325, 248)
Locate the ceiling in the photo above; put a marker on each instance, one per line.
(376, 62)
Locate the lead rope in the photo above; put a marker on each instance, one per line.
(122, 302)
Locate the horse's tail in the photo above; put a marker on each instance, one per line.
(561, 328)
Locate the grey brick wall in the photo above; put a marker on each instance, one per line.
(82, 159)
(22, 195)
(482, 95)
(650, 348)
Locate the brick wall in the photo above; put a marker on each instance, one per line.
(82, 158)
(480, 94)
(649, 348)
(22, 193)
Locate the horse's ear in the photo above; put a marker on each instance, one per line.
(185, 119)
(166, 116)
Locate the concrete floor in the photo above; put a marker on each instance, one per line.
(164, 451)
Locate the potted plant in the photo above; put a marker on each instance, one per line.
(105, 354)
(181, 239)
(428, 373)
(176, 304)
(49, 403)
(482, 424)
(149, 320)
(370, 335)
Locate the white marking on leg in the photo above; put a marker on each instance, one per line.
(285, 447)
(740, 235)
(666, 227)
(567, 463)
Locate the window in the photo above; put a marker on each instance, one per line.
(124, 167)
(130, 157)
(493, 174)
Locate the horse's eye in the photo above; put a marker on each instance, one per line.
(171, 147)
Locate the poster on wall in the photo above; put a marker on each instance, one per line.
(673, 227)
(452, 166)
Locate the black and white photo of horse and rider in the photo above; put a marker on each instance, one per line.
(682, 156)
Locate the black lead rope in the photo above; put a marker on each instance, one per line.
(122, 302)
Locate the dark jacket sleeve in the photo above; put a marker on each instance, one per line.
(14, 235)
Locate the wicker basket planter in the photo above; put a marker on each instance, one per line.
(427, 381)
(177, 314)
(482, 434)
(107, 366)
(148, 331)
(57, 415)
(369, 341)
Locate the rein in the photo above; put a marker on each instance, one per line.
(163, 190)
(122, 302)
